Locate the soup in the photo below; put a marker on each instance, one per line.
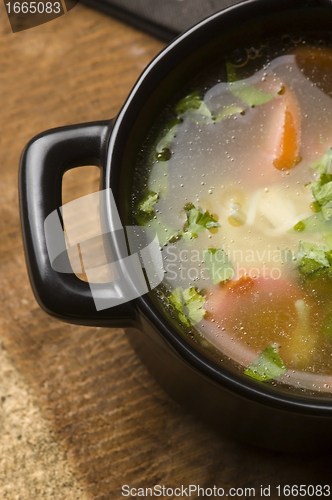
(236, 179)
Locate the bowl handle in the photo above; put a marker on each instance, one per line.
(44, 161)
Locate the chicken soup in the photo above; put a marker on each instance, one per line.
(236, 180)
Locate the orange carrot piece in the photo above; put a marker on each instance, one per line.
(285, 135)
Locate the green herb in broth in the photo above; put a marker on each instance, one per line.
(323, 164)
(194, 107)
(193, 104)
(218, 264)
(246, 93)
(267, 366)
(197, 221)
(146, 205)
(321, 189)
(312, 260)
(188, 304)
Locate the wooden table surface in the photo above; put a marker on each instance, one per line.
(115, 424)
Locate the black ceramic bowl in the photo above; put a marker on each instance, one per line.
(242, 407)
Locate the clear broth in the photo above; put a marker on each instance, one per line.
(226, 167)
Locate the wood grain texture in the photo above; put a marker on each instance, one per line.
(32, 463)
(117, 426)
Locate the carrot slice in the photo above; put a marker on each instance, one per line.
(286, 132)
(281, 139)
